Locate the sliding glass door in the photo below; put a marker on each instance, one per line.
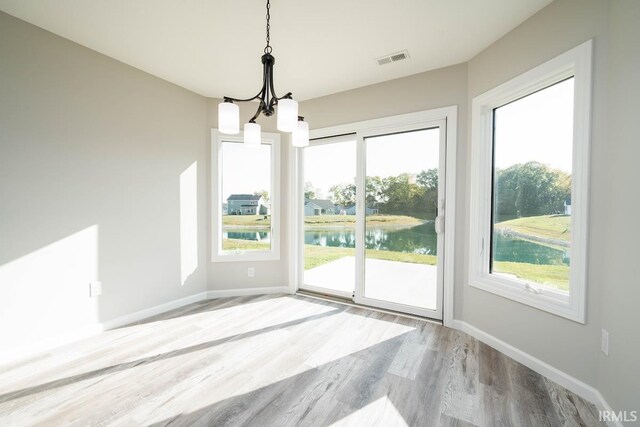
(373, 219)
(402, 246)
(330, 216)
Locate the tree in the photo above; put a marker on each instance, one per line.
(530, 189)
(428, 182)
(309, 190)
(343, 194)
(264, 194)
(428, 179)
(375, 191)
(401, 194)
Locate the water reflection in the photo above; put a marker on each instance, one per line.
(421, 239)
(518, 250)
(256, 236)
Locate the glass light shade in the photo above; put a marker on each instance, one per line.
(252, 134)
(300, 136)
(287, 115)
(228, 118)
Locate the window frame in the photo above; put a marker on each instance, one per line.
(409, 121)
(576, 63)
(217, 253)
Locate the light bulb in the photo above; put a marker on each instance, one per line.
(287, 115)
(228, 118)
(252, 135)
(300, 136)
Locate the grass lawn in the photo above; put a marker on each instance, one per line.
(318, 255)
(247, 220)
(555, 276)
(315, 256)
(350, 220)
(244, 245)
(323, 220)
(557, 227)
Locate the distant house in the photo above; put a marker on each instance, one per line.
(225, 209)
(246, 204)
(567, 205)
(319, 207)
(351, 210)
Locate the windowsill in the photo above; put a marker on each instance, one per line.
(249, 256)
(554, 302)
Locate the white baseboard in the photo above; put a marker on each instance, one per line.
(24, 351)
(152, 311)
(578, 387)
(225, 293)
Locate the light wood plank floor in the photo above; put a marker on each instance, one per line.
(282, 361)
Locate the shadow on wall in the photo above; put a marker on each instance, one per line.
(188, 222)
(143, 249)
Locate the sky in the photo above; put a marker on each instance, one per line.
(411, 152)
(329, 164)
(537, 127)
(245, 169)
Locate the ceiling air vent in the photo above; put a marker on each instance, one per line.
(394, 57)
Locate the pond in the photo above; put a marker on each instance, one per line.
(255, 235)
(517, 250)
(420, 239)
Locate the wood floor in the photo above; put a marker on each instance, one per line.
(282, 361)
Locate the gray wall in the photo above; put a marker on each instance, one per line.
(619, 373)
(564, 344)
(91, 157)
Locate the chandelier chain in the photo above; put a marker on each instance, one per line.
(267, 48)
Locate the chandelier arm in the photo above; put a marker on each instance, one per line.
(273, 91)
(287, 95)
(267, 97)
(258, 112)
(228, 98)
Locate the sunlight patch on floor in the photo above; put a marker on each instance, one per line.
(343, 342)
(380, 412)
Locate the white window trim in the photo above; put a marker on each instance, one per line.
(577, 63)
(217, 254)
(409, 121)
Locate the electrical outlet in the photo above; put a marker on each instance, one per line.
(251, 272)
(605, 342)
(95, 289)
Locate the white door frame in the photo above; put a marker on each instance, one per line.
(360, 294)
(411, 121)
(327, 291)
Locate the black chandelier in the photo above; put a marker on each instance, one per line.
(287, 119)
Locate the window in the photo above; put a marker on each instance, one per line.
(530, 186)
(245, 198)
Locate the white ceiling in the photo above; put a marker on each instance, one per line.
(213, 47)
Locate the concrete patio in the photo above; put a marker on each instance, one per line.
(392, 281)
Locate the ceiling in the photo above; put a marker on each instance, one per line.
(213, 47)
